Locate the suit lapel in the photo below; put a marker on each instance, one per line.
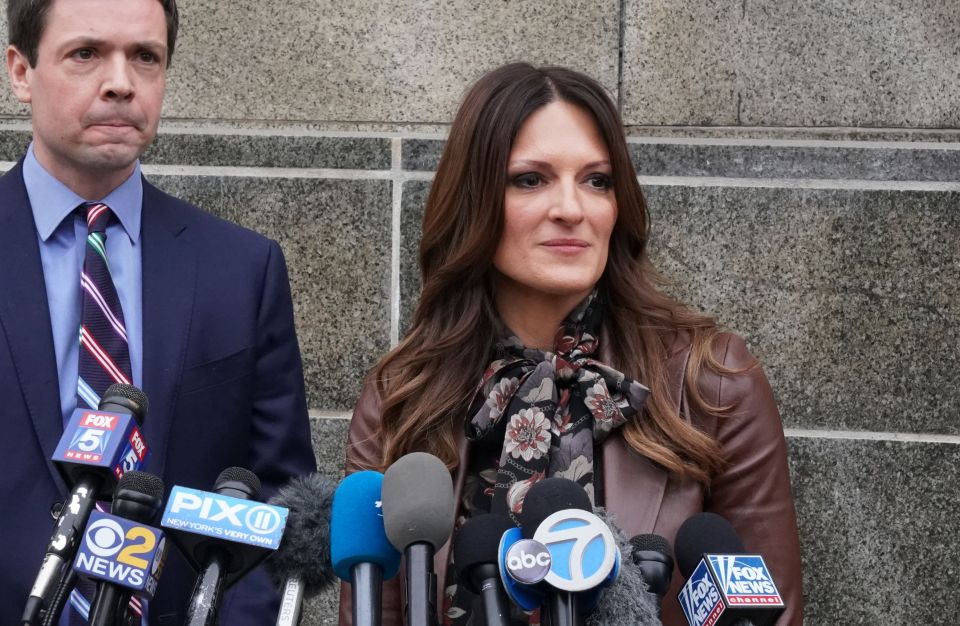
(25, 316)
(169, 283)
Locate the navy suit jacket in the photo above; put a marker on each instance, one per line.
(221, 369)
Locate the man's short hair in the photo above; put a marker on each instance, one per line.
(26, 20)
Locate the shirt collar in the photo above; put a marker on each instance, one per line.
(52, 201)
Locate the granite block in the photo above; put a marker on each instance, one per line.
(422, 154)
(322, 610)
(850, 63)
(878, 63)
(850, 298)
(680, 62)
(877, 524)
(357, 153)
(666, 157)
(824, 162)
(411, 222)
(13, 144)
(335, 236)
(360, 60)
(329, 438)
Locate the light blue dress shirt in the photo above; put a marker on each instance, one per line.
(62, 234)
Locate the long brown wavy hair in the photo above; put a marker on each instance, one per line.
(427, 382)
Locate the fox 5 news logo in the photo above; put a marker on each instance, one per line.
(582, 549)
(215, 515)
(134, 454)
(700, 598)
(89, 441)
(122, 552)
(744, 579)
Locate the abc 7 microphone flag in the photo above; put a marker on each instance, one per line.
(572, 550)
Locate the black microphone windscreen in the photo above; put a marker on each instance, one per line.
(141, 482)
(546, 498)
(705, 533)
(418, 505)
(651, 542)
(478, 543)
(138, 496)
(238, 482)
(653, 556)
(304, 551)
(126, 398)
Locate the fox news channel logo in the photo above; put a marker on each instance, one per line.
(223, 517)
(745, 580)
(700, 599)
(123, 552)
(582, 550)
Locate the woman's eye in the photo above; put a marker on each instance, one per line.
(529, 180)
(600, 181)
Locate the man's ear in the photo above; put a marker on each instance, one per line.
(19, 71)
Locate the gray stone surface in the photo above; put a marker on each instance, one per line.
(335, 236)
(758, 161)
(329, 437)
(850, 298)
(667, 157)
(13, 144)
(768, 63)
(878, 530)
(404, 61)
(680, 62)
(421, 154)
(411, 218)
(360, 153)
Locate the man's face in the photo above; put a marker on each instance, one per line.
(97, 88)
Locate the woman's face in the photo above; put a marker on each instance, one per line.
(559, 207)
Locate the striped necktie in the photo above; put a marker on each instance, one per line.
(104, 353)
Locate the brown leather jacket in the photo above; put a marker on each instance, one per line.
(752, 492)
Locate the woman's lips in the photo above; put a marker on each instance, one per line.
(566, 246)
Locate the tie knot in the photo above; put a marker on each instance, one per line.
(98, 216)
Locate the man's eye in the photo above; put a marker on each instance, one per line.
(83, 54)
(148, 57)
(529, 180)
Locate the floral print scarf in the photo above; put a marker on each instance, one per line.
(549, 409)
(557, 406)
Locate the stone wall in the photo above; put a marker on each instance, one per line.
(801, 162)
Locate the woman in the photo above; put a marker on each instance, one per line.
(535, 222)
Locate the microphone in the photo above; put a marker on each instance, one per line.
(652, 556)
(223, 534)
(301, 565)
(724, 582)
(583, 555)
(418, 516)
(360, 552)
(475, 549)
(630, 599)
(96, 448)
(121, 550)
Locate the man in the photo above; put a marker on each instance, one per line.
(192, 309)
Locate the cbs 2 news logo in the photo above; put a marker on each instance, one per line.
(123, 552)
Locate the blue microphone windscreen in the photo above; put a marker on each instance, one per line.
(356, 527)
